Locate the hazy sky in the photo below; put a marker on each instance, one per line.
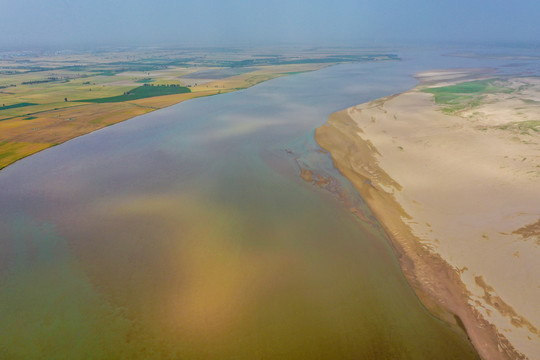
(253, 22)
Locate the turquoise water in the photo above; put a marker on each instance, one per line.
(188, 233)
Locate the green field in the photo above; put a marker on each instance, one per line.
(145, 80)
(142, 92)
(18, 105)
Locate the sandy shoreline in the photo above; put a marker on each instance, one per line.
(458, 195)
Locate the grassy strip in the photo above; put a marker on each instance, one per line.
(142, 92)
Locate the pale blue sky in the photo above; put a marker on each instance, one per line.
(254, 22)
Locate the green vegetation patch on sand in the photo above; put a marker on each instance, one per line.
(466, 95)
(522, 126)
(142, 92)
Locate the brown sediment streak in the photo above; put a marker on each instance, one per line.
(530, 231)
(503, 308)
(437, 284)
(328, 183)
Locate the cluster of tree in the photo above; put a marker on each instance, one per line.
(6, 86)
(49, 79)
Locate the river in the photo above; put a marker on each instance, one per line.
(188, 233)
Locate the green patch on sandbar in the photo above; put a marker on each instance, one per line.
(466, 95)
(522, 126)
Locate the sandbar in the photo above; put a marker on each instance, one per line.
(456, 188)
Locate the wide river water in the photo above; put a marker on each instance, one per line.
(188, 233)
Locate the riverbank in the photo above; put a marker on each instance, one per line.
(49, 98)
(454, 184)
(27, 130)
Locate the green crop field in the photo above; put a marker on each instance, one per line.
(142, 92)
(145, 80)
(18, 105)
